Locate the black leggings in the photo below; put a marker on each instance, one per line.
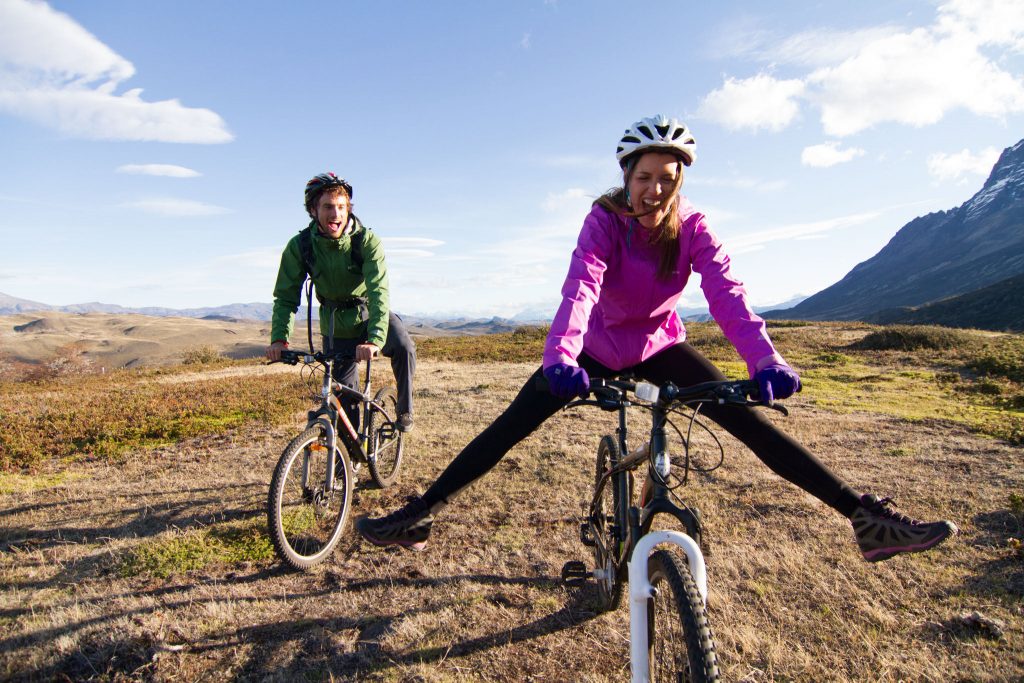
(680, 364)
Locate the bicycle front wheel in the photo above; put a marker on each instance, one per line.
(679, 640)
(305, 512)
(384, 452)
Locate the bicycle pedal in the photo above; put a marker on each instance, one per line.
(575, 573)
(587, 535)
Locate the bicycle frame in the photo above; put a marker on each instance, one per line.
(331, 408)
(654, 498)
(638, 540)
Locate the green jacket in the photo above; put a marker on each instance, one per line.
(337, 278)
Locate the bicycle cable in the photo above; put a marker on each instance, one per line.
(687, 465)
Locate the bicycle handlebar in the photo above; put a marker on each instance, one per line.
(610, 393)
(296, 357)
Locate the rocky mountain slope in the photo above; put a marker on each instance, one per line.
(998, 307)
(934, 257)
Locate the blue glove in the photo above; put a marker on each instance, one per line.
(567, 381)
(777, 381)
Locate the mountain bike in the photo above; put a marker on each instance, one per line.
(311, 489)
(670, 636)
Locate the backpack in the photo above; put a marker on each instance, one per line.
(309, 264)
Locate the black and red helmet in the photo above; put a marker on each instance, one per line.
(319, 183)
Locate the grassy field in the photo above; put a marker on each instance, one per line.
(134, 547)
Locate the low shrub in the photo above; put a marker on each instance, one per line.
(915, 338)
(1000, 357)
(201, 355)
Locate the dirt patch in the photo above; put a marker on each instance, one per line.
(790, 597)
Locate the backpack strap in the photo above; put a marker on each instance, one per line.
(308, 263)
(306, 249)
(357, 245)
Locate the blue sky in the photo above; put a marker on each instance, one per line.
(154, 153)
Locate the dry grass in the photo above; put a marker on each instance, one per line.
(790, 598)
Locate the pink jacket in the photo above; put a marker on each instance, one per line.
(614, 308)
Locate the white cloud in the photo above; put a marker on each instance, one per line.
(914, 79)
(176, 207)
(877, 75)
(994, 22)
(55, 73)
(69, 53)
(747, 38)
(168, 170)
(951, 166)
(524, 42)
(761, 102)
(828, 154)
(754, 241)
(820, 47)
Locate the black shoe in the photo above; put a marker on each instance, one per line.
(408, 526)
(404, 422)
(882, 532)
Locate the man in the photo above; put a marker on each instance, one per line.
(345, 261)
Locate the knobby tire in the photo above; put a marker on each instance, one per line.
(610, 522)
(384, 450)
(679, 639)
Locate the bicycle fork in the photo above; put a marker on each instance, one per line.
(641, 590)
(655, 500)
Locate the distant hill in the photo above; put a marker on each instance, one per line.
(10, 305)
(421, 326)
(998, 307)
(935, 257)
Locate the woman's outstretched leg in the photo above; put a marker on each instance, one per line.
(881, 532)
(410, 525)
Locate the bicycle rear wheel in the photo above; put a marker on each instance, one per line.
(384, 451)
(610, 523)
(679, 640)
(305, 515)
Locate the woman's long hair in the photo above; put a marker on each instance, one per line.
(665, 235)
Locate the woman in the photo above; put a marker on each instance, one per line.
(633, 258)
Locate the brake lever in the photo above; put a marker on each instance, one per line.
(774, 405)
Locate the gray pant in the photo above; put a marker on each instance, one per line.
(399, 347)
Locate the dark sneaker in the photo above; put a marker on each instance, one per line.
(404, 422)
(882, 532)
(408, 527)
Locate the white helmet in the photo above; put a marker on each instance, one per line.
(658, 133)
